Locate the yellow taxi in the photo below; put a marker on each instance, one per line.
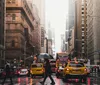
(37, 69)
(75, 70)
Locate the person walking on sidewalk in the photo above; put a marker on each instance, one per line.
(8, 73)
(48, 72)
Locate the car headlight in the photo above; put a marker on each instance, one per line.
(67, 69)
(85, 69)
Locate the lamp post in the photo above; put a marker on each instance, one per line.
(25, 52)
(25, 48)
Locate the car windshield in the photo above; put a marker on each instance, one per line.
(76, 65)
(23, 69)
(36, 65)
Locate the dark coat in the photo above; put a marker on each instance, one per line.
(47, 67)
(8, 69)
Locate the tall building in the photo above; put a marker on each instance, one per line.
(50, 47)
(40, 4)
(66, 35)
(50, 37)
(69, 22)
(71, 43)
(37, 30)
(2, 31)
(19, 30)
(62, 42)
(93, 31)
(71, 15)
(80, 29)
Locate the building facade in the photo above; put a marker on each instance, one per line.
(71, 43)
(93, 29)
(19, 30)
(2, 31)
(69, 22)
(80, 48)
(40, 5)
(62, 42)
(50, 51)
(37, 30)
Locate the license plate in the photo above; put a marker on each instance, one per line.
(75, 69)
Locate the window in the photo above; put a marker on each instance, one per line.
(13, 43)
(13, 1)
(82, 8)
(82, 12)
(8, 17)
(9, 1)
(13, 16)
(8, 26)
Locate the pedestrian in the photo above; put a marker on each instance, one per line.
(48, 72)
(8, 73)
(35, 59)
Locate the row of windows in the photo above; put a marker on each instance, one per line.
(11, 1)
(11, 17)
(27, 9)
(14, 26)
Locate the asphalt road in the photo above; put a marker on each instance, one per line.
(94, 79)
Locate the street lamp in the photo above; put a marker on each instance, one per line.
(25, 52)
(25, 48)
(29, 57)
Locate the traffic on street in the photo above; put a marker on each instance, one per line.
(49, 42)
(63, 71)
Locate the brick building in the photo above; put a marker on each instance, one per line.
(19, 30)
(2, 31)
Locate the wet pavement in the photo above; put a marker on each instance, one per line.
(94, 79)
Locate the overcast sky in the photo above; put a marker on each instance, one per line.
(56, 12)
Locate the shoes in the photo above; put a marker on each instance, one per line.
(53, 83)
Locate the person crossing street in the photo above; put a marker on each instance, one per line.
(8, 73)
(48, 72)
